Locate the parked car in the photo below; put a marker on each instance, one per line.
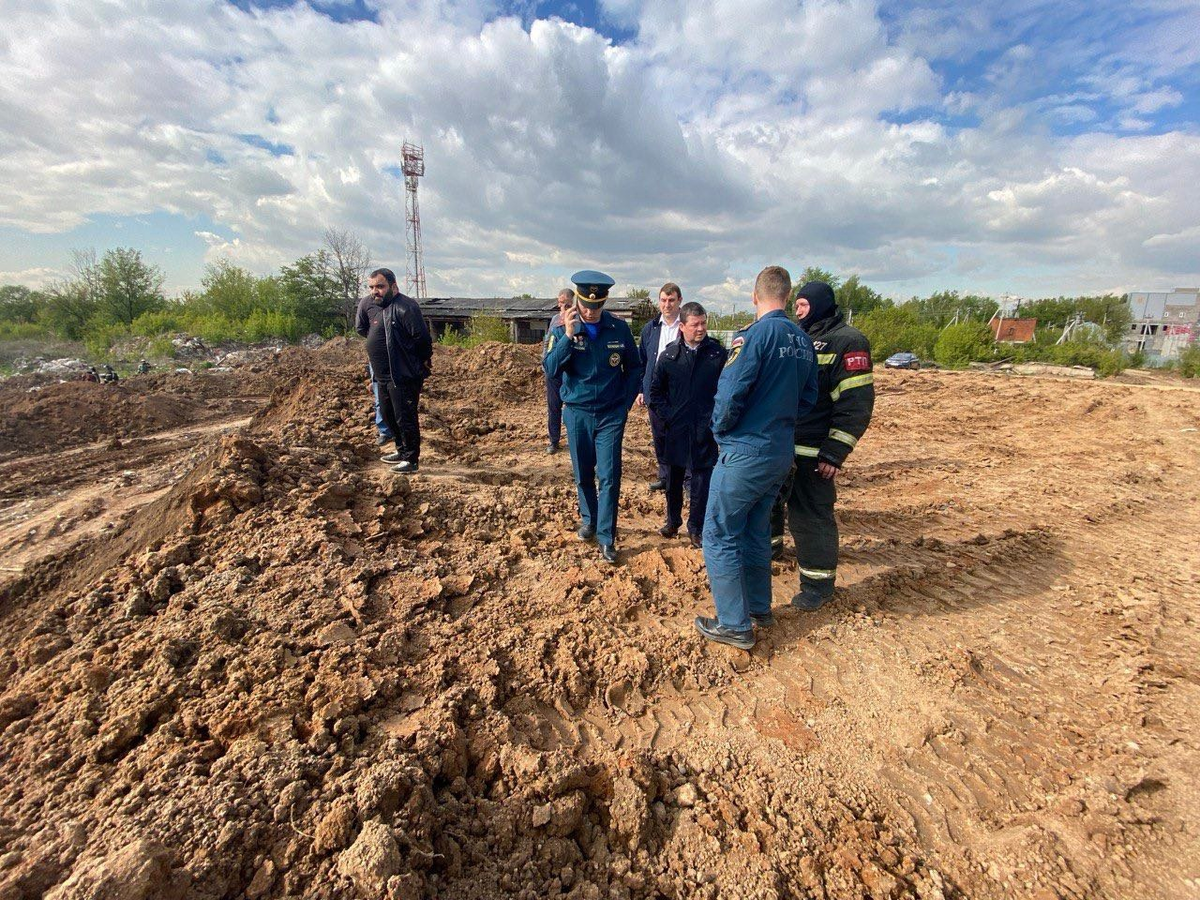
(902, 361)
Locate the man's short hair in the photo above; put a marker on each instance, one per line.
(671, 289)
(565, 292)
(691, 309)
(773, 284)
(386, 273)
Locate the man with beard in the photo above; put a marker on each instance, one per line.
(400, 351)
(594, 354)
(824, 438)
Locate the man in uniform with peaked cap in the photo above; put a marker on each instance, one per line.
(594, 354)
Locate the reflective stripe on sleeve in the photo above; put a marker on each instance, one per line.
(844, 436)
(801, 450)
(824, 359)
(851, 383)
(818, 573)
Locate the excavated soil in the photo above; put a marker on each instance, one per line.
(242, 659)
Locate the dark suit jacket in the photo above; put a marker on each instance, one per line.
(682, 388)
(648, 348)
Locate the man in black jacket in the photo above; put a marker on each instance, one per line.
(824, 438)
(657, 335)
(400, 350)
(682, 389)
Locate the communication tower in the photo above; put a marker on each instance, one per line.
(414, 267)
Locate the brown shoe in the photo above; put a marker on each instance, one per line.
(669, 531)
(695, 539)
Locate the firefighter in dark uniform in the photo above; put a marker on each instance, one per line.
(594, 354)
(824, 438)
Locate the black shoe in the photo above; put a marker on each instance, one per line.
(763, 620)
(393, 457)
(658, 485)
(777, 548)
(586, 533)
(715, 631)
(552, 449)
(384, 439)
(809, 601)
(406, 468)
(609, 554)
(696, 540)
(669, 531)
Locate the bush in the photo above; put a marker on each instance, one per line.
(896, 329)
(453, 338)
(161, 348)
(1189, 362)
(163, 321)
(488, 328)
(99, 339)
(214, 328)
(263, 324)
(24, 331)
(961, 343)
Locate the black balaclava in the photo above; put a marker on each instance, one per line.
(821, 304)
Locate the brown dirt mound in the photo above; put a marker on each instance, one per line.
(298, 675)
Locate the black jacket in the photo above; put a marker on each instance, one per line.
(682, 389)
(409, 345)
(648, 348)
(845, 395)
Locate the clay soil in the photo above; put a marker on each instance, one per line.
(240, 658)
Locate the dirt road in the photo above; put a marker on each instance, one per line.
(282, 671)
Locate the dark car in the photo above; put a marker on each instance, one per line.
(902, 361)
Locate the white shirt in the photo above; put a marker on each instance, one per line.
(667, 335)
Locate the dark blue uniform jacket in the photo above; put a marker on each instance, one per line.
(683, 388)
(597, 374)
(769, 380)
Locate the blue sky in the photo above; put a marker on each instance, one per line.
(1029, 147)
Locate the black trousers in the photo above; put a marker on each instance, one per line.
(554, 407)
(658, 430)
(677, 476)
(814, 529)
(400, 416)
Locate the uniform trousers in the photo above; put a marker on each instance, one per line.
(554, 408)
(814, 528)
(595, 440)
(737, 535)
(400, 416)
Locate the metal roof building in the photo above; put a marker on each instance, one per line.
(526, 317)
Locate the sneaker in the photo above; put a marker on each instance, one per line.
(658, 485)
(763, 620)
(405, 468)
(586, 532)
(609, 554)
(384, 439)
(552, 449)
(669, 531)
(715, 631)
(808, 601)
(696, 540)
(393, 457)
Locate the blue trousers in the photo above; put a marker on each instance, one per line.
(737, 535)
(595, 441)
(384, 431)
(554, 408)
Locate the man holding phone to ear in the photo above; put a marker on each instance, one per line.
(594, 354)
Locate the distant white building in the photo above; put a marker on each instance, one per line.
(1165, 323)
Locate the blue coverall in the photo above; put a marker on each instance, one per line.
(769, 379)
(601, 377)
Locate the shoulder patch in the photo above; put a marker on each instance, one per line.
(857, 361)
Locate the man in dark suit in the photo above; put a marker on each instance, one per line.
(682, 389)
(657, 335)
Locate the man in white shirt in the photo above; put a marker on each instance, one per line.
(657, 335)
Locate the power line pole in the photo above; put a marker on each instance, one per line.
(414, 268)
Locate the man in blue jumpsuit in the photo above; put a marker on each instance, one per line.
(769, 379)
(594, 354)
